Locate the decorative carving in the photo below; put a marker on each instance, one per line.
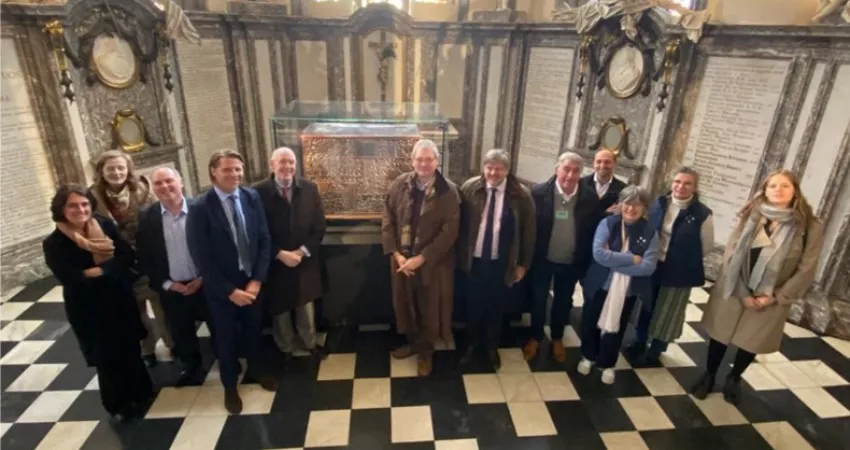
(671, 59)
(385, 51)
(832, 9)
(614, 137)
(56, 33)
(129, 132)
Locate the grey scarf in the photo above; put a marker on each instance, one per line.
(737, 278)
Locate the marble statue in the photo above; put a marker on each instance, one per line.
(828, 8)
(177, 24)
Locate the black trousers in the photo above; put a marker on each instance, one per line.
(486, 298)
(181, 313)
(121, 374)
(562, 278)
(603, 349)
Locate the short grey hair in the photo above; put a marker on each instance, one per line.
(497, 155)
(687, 171)
(634, 194)
(569, 156)
(425, 144)
(281, 150)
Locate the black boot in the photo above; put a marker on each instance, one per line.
(732, 390)
(703, 386)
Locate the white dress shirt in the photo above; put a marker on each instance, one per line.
(565, 197)
(601, 188)
(497, 219)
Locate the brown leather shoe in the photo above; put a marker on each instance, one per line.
(404, 352)
(424, 366)
(558, 351)
(529, 350)
(232, 402)
(267, 382)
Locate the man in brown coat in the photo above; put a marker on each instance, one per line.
(418, 231)
(495, 248)
(296, 221)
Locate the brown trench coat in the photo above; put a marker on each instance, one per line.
(727, 320)
(305, 226)
(436, 236)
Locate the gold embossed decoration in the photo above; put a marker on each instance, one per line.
(129, 132)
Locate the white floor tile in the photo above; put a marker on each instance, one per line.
(338, 366)
(93, 385)
(456, 444)
(820, 373)
(840, 345)
(761, 379)
(645, 413)
(10, 293)
(52, 296)
(782, 436)
(698, 295)
(520, 387)
(11, 310)
(25, 352)
(36, 378)
(203, 331)
(174, 402)
(198, 433)
(255, 399)
(676, 357)
(328, 428)
(571, 338)
(371, 393)
(4, 427)
(49, 406)
(821, 402)
(790, 375)
(689, 335)
(403, 368)
(692, 313)
(774, 357)
(659, 382)
(622, 363)
(793, 331)
(555, 386)
(623, 440)
(513, 361)
(67, 435)
(412, 424)
(18, 330)
(719, 412)
(531, 419)
(210, 402)
(483, 388)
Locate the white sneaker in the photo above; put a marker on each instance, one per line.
(608, 376)
(584, 366)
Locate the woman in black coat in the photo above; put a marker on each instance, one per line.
(92, 262)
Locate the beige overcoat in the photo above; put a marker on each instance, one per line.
(727, 320)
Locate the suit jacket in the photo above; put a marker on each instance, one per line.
(151, 253)
(213, 247)
(610, 196)
(292, 224)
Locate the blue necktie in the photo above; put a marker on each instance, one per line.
(241, 236)
(487, 250)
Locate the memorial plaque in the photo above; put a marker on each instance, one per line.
(544, 107)
(734, 112)
(203, 76)
(352, 164)
(27, 185)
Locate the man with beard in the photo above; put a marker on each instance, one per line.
(418, 232)
(296, 221)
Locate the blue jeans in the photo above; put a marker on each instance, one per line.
(565, 278)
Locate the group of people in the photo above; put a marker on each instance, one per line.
(235, 253)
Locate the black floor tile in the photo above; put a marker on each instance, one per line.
(772, 406)
(35, 290)
(75, 376)
(626, 384)
(24, 436)
(488, 423)
(426, 390)
(87, 406)
(826, 434)
(8, 375)
(841, 393)
(155, 434)
(372, 363)
(50, 330)
(44, 311)
(6, 347)
(276, 430)
(683, 412)
(534, 443)
(607, 415)
(742, 436)
(370, 429)
(109, 435)
(334, 394)
(573, 420)
(690, 439)
(65, 350)
(13, 404)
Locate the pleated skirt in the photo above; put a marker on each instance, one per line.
(668, 316)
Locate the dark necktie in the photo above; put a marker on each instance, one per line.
(241, 236)
(487, 250)
(284, 191)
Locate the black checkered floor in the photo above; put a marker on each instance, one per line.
(359, 398)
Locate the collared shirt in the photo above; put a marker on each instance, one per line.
(601, 188)
(565, 197)
(499, 192)
(229, 212)
(180, 265)
(280, 187)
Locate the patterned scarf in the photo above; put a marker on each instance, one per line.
(737, 278)
(428, 203)
(92, 240)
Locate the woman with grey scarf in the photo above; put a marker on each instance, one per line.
(769, 262)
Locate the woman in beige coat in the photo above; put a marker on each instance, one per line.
(769, 262)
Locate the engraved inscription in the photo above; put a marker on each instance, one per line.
(544, 107)
(732, 121)
(203, 73)
(26, 178)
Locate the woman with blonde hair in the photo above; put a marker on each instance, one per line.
(769, 262)
(121, 194)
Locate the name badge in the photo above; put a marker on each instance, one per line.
(562, 215)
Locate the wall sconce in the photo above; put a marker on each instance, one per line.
(56, 33)
(164, 45)
(584, 59)
(671, 59)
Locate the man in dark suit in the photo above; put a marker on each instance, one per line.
(230, 244)
(567, 215)
(603, 182)
(163, 255)
(296, 222)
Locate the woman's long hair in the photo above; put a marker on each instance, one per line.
(100, 184)
(803, 212)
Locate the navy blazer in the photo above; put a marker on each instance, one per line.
(213, 248)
